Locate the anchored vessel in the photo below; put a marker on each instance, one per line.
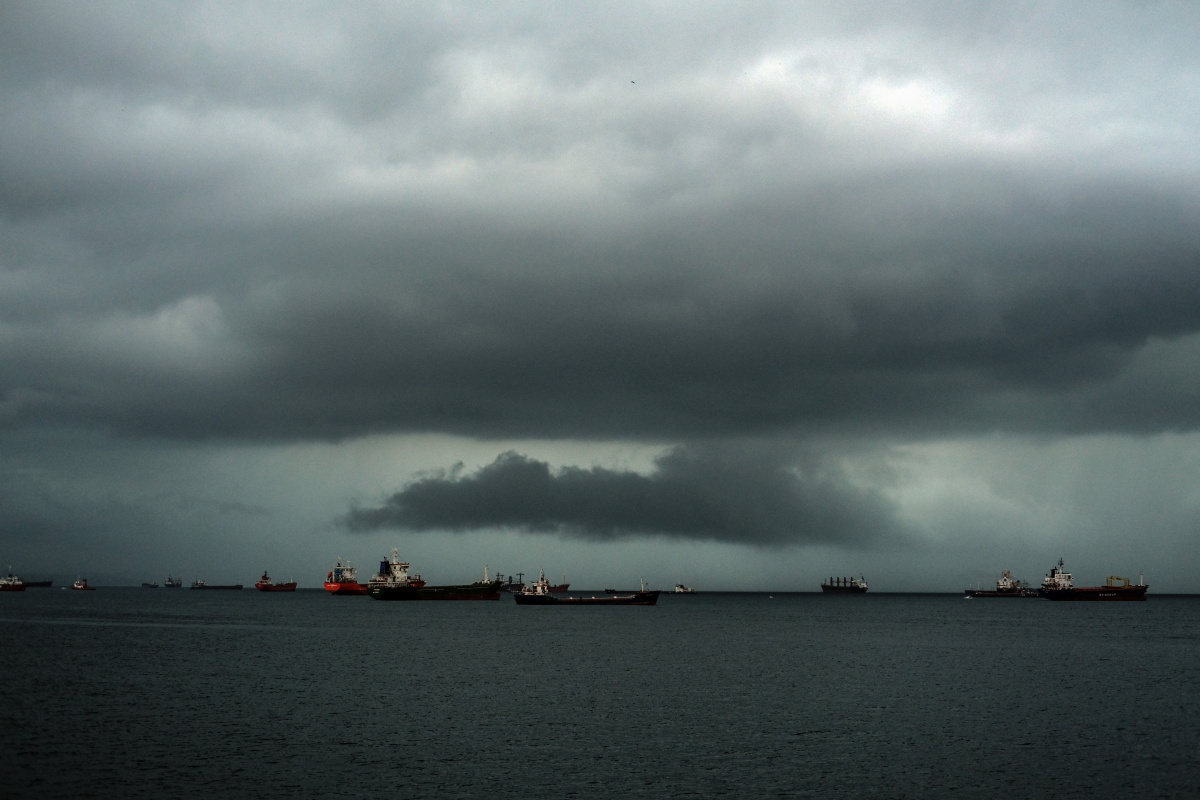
(540, 595)
(200, 584)
(12, 583)
(1007, 586)
(845, 586)
(264, 584)
(173, 583)
(681, 589)
(341, 580)
(81, 586)
(1058, 586)
(394, 583)
(149, 585)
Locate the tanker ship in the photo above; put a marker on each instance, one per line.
(394, 583)
(1007, 586)
(341, 580)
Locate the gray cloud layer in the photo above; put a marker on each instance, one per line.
(248, 221)
(744, 495)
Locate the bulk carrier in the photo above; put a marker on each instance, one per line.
(845, 586)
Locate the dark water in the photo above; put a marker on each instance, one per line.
(157, 693)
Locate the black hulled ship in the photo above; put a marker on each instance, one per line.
(845, 586)
(394, 583)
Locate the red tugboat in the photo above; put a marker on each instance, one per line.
(1057, 586)
(264, 584)
(845, 586)
(341, 580)
(541, 594)
(12, 583)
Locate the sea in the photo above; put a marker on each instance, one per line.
(129, 692)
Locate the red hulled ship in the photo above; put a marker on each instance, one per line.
(264, 584)
(341, 580)
(12, 583)
(1058, 586)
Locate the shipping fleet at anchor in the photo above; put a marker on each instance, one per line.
(1058, 585)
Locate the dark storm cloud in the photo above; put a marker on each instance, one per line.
(756, 495)
(254, 221)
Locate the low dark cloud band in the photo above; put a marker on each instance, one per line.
(729, 493)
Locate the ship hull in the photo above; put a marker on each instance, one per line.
(635, 599)
(347, 589)
(12, 587)
(1097, 593)
(994, 593)
(470, 591)
(842, 589)
(275, 587)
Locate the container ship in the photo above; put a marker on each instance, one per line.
(1007, 586)
(1058, 586)
(265, 584)
(845, 586)
(394, 583)
(541, 594)
(342, 580)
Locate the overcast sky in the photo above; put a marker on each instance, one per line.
(736, 294)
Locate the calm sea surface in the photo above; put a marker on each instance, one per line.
(175, 693)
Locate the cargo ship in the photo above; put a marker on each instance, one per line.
(200, 584)
(149, 585)
(510, 585)
(845, 586)
(540, 594)
(173, 583)
(1058, 586)
(12, 583)
(1007, 586)
(681, 589)
(394, 583)
(81, 586)
(264, 584)
(341, 580)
